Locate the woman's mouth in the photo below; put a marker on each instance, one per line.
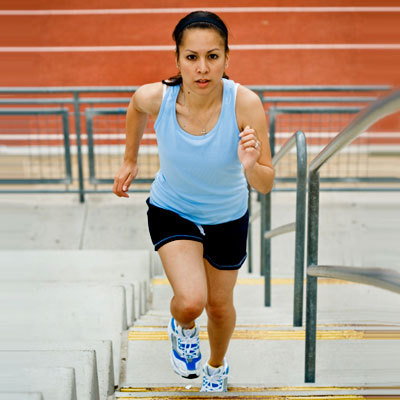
(202, 83)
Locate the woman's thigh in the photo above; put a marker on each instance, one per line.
(183, 264)
(220, 285)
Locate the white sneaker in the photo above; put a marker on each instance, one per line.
(215, 379)
(185, 350)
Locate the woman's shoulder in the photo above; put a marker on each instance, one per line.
(247, 101)
(246, 97)
(148, 98)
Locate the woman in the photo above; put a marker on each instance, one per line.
(211, 136)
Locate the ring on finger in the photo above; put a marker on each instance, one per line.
(257, 144)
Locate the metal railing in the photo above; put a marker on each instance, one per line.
(298, 140)
(65, 170)
(80, 100)
(383, 278)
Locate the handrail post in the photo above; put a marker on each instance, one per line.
(312, 282)
(249, 235)
(266, 246)
(272, 122)
(79, 146)
(301, 187)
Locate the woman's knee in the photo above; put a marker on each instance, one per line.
(220, 310)
(190, 307)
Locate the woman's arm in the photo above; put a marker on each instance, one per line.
(256, 162)
(146, 100)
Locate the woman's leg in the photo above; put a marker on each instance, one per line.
(184, 267)
(220, 310)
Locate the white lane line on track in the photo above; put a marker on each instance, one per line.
(63, 49)
(213, 9)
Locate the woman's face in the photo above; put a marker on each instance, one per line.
(202, 59)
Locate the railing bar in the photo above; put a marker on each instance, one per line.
(108, 110)
(284, 149)
(320, 99)
(270, 88)
(280, 230)
(317, 110)
(83, 100)
(359, 124)
(37, 101)
(32, 111)
(72, 89)
(381, 277)
(320, 88)
(63, 191)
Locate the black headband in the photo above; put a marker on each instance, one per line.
(203, 19)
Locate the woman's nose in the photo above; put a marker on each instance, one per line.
(202, 66)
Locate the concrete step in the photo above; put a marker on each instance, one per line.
(104, 357)
(358, 344)
(354, 360)
(53, 383)
(83, 362)
(62, 311)
(128, 268)
(259, 393)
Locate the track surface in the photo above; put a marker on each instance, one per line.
(372, 39)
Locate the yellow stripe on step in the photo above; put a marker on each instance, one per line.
(279, 335)
(179, 389)
(256, 397)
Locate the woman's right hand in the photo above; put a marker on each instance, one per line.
(124, 177)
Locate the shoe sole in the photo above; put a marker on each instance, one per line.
(178, 372)
(175, 368)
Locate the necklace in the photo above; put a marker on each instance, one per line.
(203, 130)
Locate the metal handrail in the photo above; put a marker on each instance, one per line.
(80, 95)
(287, 228)
(374, 112)
(319, 99)
(383, 278)
(299, 140)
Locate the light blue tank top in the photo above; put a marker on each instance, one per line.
(200, 177)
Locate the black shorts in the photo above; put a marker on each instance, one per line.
(224, 244)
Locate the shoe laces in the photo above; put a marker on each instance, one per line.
(189, 346)
(214, 382)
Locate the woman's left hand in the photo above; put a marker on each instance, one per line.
(249, 149)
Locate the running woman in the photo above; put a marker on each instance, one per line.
(212, 140)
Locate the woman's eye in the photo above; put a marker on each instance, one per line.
(191, 57)
(213, 56)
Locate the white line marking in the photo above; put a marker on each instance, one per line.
(305, 46)
(213, 9)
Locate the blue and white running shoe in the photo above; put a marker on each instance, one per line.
(185, 351)
(215, 379)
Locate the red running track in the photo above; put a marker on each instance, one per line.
(282, 66)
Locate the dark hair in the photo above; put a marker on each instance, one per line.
(202, 20)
